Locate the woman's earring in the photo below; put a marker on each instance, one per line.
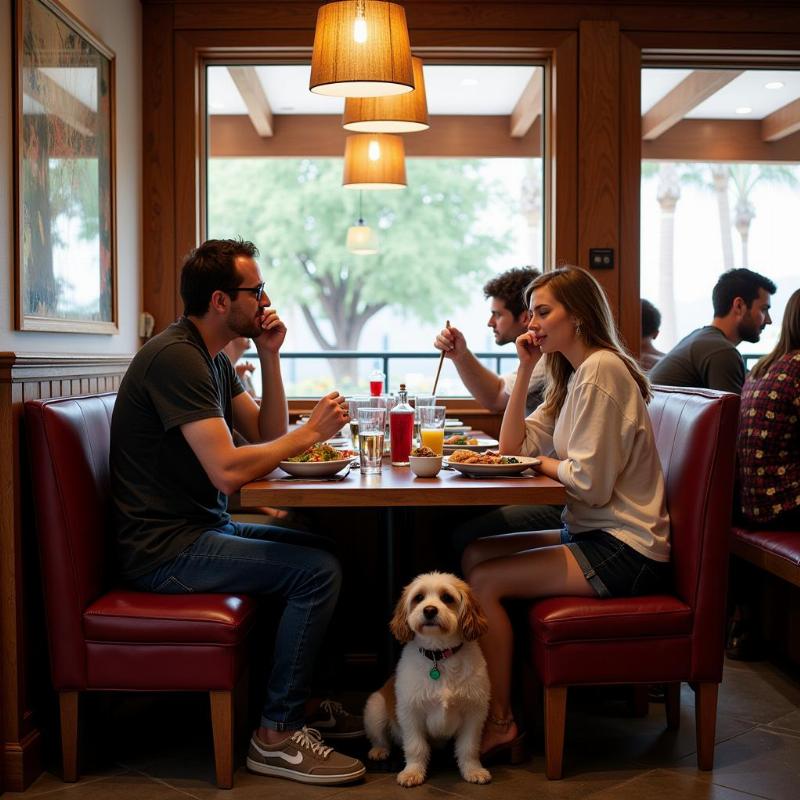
(577, 328)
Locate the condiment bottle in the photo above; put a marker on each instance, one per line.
(401, 429)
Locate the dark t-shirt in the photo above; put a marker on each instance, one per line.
(162, 497)
(706, 358)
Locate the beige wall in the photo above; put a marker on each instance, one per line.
(118, 23)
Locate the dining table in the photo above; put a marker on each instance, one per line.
(395, 489)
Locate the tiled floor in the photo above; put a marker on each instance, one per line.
(607, 755)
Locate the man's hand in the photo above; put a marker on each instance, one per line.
(528, 349)
(328, 416)
(243, 367)
(273, 332)
(451, 342)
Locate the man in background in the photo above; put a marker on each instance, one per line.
(649, 356)
(708, 357)
(508, 318)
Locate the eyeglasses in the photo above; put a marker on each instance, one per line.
(258, 291)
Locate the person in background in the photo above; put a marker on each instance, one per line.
(235, 349)
(707, 357)
(594, 435)
(649, 356)
(173, 462)
(508, 319)
(768, 442)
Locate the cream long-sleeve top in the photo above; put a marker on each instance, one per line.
(609, 463)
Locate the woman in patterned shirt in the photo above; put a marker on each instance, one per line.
(769, 432)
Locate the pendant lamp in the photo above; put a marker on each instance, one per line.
(361, 239)
(374, 161)
(399, 113)
(361, 49)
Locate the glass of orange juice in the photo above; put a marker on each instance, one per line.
(431, 424)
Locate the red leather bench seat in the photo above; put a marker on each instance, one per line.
(142, 617)
(777, 552)
(565, 619)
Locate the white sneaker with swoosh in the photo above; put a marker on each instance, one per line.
(304, 757)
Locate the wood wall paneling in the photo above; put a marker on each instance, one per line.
(629, 314)
(159, 290)
(24, 671)
(561, 143)
(598, 148)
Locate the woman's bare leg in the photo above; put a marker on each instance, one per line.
(504, 545)
(541, 572)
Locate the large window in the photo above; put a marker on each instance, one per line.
(462, 218)
(720, 189)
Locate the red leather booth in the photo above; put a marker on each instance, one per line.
(101, 636)
(658, 638)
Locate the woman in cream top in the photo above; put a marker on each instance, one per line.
(593, 434)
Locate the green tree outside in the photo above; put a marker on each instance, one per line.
(432, 255)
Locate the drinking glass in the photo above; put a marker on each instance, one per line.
(421, 400)
(386, 402)
(353, 405)
(431, 423)
(371, 435)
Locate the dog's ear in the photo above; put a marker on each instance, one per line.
(471, 618)
(399, 626)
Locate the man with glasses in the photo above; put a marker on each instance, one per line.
(173, 464)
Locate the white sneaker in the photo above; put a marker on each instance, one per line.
(303, 757)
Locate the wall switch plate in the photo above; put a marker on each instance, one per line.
(601, 258)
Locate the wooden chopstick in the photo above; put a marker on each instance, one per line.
(439, 370)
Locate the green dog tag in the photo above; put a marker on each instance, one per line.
(435, 674)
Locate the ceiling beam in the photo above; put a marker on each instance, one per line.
(255, 99)
(62, 104)
(688, 94)
(721, 140)
(780, 123)
(528, 107)
(322, 135)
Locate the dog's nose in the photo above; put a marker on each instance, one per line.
(429, 612)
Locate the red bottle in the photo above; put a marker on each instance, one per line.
(376, 378)
(401, 429)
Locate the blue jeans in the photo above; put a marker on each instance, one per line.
(269, 560)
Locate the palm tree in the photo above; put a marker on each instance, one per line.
(744, 178)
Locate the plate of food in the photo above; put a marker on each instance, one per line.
(489, 464)
(319, 461)
(461, 441)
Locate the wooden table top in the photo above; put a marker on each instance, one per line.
(397, 487)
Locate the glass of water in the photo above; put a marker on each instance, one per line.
(353, 405)
(371, 436)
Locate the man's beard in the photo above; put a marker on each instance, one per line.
(500, 339)
(748, 332)
(245, 326)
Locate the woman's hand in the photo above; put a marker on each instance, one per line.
(528, 349)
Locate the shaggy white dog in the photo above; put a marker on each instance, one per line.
(440, 688)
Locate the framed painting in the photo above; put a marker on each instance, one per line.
(64, 173)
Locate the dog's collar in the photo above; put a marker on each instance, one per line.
(439, 655)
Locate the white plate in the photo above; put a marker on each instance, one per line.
(483, 444)
(315, 469)
(496, 470)
(452, 426)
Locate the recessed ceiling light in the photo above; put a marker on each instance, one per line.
(774, 85)
(743, 110)
(469, 81)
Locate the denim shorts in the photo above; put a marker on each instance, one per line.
(613, 568)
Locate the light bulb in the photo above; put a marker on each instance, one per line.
(360, 30)
(374, 150)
